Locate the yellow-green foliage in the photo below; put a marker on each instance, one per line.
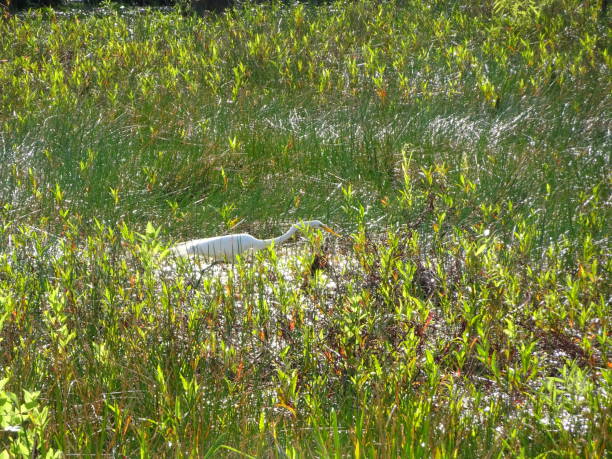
(462, 148)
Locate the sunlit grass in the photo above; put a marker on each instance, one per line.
(462, 150)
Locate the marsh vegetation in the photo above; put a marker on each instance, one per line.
(462, 149)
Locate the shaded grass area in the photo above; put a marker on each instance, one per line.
(462, 150)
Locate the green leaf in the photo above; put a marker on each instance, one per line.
(481, 249)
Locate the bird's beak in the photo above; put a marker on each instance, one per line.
(329, 230)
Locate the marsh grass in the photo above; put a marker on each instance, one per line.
(462, 151)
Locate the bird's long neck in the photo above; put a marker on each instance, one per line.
(280, 239)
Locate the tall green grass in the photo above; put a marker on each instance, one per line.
(462, 150)
(301, 101)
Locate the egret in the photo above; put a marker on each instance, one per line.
(225, 248)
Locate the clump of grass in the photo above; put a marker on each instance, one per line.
(463, 150)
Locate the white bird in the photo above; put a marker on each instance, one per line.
(225, 248)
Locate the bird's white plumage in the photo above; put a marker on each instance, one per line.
(225, 248)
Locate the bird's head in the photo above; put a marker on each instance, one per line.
(315, 224)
